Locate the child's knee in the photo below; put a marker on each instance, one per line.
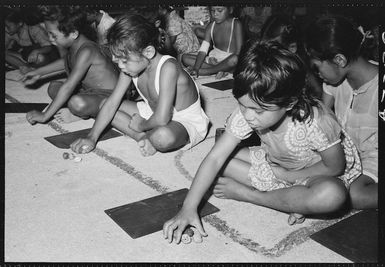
(329, 196)
(358, 188)
(233, 60)
(163, 139)
(77, 105)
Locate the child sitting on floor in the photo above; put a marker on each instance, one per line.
(179, 31)
(26, 45)
(336, 48)
(305, 161)
(226, 34)
(170, 116)
(85, 65)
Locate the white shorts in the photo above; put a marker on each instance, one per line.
(193, 119)
(218, 54)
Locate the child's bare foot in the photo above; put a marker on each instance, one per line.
(231, 189)
(221, 74)
(64, 115)
(146, 148)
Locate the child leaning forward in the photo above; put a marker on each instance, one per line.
(170, 115)
(305, 162)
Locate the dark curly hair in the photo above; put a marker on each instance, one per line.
(70, 19)
(133, 33)
(330, 35)
(271, 75)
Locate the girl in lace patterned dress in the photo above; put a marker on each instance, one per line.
(305, 162)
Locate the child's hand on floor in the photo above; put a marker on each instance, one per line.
(35, 116)
(83, 145)
(173, 228)
(30, 77)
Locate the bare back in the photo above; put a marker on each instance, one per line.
(173, 83)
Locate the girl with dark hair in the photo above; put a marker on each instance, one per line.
(305, 160)
(170, 115)
(336, 47)
(283, 29)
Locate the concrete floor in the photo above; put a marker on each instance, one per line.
(54, 208)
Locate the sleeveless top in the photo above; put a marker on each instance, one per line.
(231, 35)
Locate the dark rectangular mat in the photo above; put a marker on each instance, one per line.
(221, 85)
(355, 237)
(65, 140)
(24, 107)
(147, 216)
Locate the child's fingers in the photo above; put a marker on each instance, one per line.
(200, 229)
(170, 231)
(84, 149)
(74, 145)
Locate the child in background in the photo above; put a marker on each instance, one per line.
(282, 28)
(101, 22)
(170, 115)
(26, 45)
(335, 45)
(85, 65)
(179, 31)
(153, 16)
(226, 34)
(305, 160)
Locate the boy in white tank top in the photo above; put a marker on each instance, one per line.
(170, 115)
(226, 35)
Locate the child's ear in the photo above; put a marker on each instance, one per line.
(340, 60)
(149, 52)
(74, 35)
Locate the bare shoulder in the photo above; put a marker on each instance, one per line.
(237, 23)
(169, 66)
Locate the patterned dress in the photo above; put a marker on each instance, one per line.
(295, 148)
(186, 40)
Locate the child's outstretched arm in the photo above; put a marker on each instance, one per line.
(104, 117)
(206, 174)
(82, 63)
(163, 113)
(203, 51)
(332, 164)
(32, 76)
